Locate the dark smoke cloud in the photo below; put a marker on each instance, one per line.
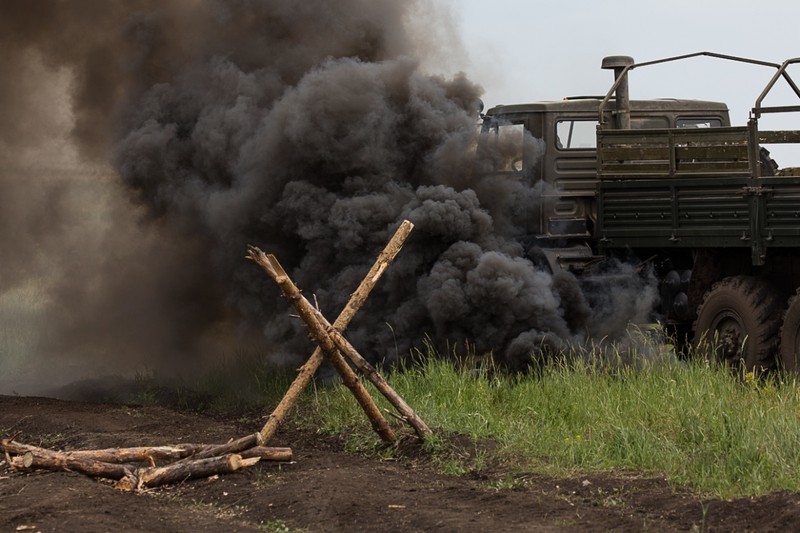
(307, 128)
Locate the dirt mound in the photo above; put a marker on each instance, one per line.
(326, 489)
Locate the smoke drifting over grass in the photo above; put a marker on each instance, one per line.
(308, 129)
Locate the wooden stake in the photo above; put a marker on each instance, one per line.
(307, 313)
(357, 299)
(371, 373)
(330, 339)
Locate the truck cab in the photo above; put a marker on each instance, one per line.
(556, 142)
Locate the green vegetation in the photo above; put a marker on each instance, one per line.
(278, 526)
(692, 423)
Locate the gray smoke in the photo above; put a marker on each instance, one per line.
(306, 128)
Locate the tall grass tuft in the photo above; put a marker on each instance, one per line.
(692, 423)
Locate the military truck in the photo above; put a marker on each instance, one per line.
(672, 185)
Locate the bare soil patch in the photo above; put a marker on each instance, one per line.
(327, 489)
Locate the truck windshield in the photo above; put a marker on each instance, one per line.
(507, 146)
(576, 134)
(699, 123)
(502, 145)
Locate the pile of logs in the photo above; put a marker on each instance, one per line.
(135, 469)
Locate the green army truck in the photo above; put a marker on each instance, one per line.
(669, 183)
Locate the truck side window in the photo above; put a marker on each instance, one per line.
(698, 122)
(576, 134)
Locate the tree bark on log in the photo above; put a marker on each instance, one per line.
(113, 455)
(234, 446)
(266, 453)
(144, 478)
(331, 341)
(304, 308)
(371, 373)
(138, 454)
(28, 456)
(50, 460)
(355, 302)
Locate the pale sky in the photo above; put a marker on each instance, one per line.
(531, 50)
(528, 50)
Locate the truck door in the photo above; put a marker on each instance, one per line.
(567, 205)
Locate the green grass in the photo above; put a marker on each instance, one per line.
(278, 526)
(693, 424)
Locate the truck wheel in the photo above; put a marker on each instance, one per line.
(739, 320)
(790, 337)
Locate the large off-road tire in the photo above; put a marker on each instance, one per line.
(739, 322)
(789, 359)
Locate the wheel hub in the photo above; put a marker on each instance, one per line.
(730, 338)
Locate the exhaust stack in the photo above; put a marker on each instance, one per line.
(618, 64)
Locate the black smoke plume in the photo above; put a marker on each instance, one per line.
(307, 128)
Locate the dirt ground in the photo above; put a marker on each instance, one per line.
(326, 489)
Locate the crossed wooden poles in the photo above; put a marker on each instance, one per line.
(332, 344)
(200, 460)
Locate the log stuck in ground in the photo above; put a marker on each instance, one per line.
(372, 374)
(304, 308)
(355, 302)
(331, 341)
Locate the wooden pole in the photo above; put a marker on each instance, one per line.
(371, 373)
(357, 299)
(329, 339)
(349, 378)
